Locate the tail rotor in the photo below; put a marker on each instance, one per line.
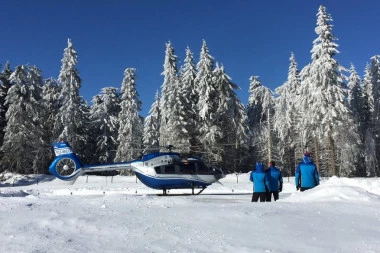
(66, 166)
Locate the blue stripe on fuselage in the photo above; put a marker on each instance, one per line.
(169, 183)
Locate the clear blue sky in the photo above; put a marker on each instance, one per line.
(248, 37)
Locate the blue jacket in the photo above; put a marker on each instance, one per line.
(275, 177)
(306, 174)
(260, 178)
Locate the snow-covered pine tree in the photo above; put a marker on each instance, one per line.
(348, 148)
(4, 86)
(367, 98)
(23, 146)
(375, 73)
(40, 165)
(355, 103)
(260, 102)
(169, 92)
(50, 94)
(366, 112)
(130, 132)
(189, 99)
(105, 124)
(151, 137)
(182, 98)
(231, 118)
(285, 117)
(5, 75)
(71, 123)
(180, 118)
(350, 143)
(354, 92)
(206, 94)
(323, 108)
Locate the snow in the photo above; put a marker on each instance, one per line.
(120, 214)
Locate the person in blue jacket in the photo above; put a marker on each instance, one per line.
(306, 174)
(260, 180)
(275, 181)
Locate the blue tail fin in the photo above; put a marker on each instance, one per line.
(66, 166)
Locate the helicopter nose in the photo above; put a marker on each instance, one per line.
(218, 173)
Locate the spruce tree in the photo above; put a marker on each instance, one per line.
(231, 118)
(354, 92)
(71, 123)
(189, 97)
(169, 92)
(40, 164)
(4, 87)
(50, 93)
(366, 120)
(205, 99)
(323, 108)
(355, 103)
(259, 111)
(105, 124)
(23, 145)
(286, 116)
(375, 74)
(151, 137)
(5, 75)
(130, 132)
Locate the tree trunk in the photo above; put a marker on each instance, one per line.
(316, 152)
(269, 139)
(332, 153)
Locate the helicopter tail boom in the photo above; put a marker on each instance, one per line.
(68, 167)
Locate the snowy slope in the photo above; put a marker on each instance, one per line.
(119, 214)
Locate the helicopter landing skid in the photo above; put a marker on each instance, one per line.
(165, 192)
(203, 188)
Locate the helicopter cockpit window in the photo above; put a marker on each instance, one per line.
(169, 169)
(203, 169)
(187, 168)
(159, 169)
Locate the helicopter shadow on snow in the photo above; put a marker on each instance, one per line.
(209, 197)
(231, 197)
(220, 197)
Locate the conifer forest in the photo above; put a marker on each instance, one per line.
(323, 107)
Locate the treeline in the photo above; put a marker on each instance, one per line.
(324, 108)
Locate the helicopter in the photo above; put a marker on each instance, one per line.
(157, 170)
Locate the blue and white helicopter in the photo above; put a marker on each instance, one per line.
(159, 170)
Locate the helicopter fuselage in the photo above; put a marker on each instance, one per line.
(159, 170)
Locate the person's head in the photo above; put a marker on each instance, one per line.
(259, 166)
(272, 163)
(306, 158)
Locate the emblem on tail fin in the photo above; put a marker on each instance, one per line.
(61, 148)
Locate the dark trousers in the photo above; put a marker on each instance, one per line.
(263, 196)
(275, 196)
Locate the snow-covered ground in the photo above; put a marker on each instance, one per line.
(120, 214)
